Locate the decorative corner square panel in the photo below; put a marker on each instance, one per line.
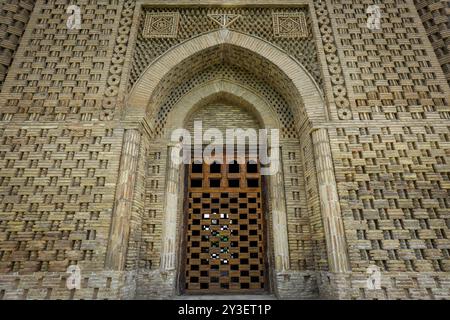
(161, 25)
(289, 25)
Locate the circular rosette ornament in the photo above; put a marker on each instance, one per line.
(345, 114)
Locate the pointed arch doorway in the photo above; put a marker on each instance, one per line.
(308, 111)
(224, 247)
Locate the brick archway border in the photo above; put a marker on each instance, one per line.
(137, 104)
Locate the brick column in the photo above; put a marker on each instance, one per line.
(168, 250)
(279, 219)
(120, 224)
(329, 203)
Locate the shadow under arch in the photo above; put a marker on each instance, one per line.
(237, 93)
(187, 106)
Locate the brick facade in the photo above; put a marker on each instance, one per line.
(85, 116)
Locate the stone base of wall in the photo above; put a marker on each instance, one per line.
(156, 285)
(394, 286)
(290, 285)
(296, 285)
(52, 286)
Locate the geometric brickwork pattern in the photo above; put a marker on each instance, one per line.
(224, 19)
(235, 74)
(56, 196)
(111, 102)
(392, 73)
(246, 60)
(299, 231)
(394, 184)
(96, 285)
(394, 286)
(308, 235)
(194, 21)
(61, 76)
(337, 78)
(394, 242)
(161, 25)
(153, 213)
(300, 243)
(305, 247)
(141, 220)
(222, 113)
(290, 25)
(435, 15)
(14, 17)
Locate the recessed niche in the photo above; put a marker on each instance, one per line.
(252, 167)
(214, 183)
(215, 168)
(252, 183)
(233, 167)
(197, 168)
(196, 183)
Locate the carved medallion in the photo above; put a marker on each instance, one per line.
(289, 25)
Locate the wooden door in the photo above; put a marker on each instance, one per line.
(225, 232)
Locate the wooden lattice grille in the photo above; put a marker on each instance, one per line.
(225, 243)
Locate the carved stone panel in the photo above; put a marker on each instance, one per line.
(289, 25)
(161, 25)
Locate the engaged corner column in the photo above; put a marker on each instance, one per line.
(329, 203)
(279, 218)
(120, 224)
(168, 250)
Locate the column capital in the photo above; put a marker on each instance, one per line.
(316, 129)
